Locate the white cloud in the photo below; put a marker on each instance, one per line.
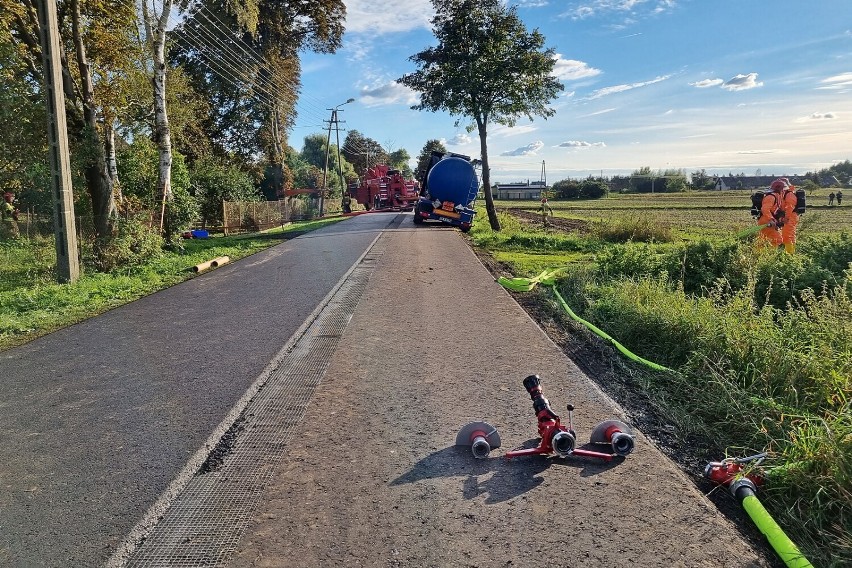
(742, 82)
(528, 150)
(581, 144)
(594, 8)
(500, 131)
(752, 152)
(604, 111)
(388, 94)
(532, 3)
(621, 88)
(703, 84)
(460, 139)
(378, 17)
(837, 82)
(571, 69)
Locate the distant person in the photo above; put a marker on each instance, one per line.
(9, 214)
(831, 198)
(545, 208)
(839, 197)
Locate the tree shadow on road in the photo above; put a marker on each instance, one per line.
(509, 479)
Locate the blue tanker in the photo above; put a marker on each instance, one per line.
(448, 191)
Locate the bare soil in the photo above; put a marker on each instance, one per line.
(555, 223)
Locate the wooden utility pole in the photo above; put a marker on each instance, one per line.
(67, 260)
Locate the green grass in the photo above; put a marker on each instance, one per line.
(33, 304)
(760, 340)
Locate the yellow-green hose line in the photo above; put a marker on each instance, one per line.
(781, 543)
(548, 277)
(627, 353)
(751, 231)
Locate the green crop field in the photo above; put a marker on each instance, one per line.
(760, 341)
(715, 213)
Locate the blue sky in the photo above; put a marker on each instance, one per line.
(728, 86)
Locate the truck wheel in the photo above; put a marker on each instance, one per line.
(418, 220)
(464, 229)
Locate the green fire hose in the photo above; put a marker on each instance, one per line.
(743, 489)
(751, 231)
(548, 278)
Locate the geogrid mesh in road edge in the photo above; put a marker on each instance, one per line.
(204, 524)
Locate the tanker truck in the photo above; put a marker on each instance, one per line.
(448, 190)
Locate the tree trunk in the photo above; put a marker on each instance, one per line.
(277, 154)
(162, 133)
(112, 165)
(98, 182)
(482, 125)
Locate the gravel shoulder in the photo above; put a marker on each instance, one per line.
(371, 477)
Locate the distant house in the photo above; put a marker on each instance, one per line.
(830, 181)
(753, 182)
(521, 190)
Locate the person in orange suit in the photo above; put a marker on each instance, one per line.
(789, 219)
(770, 213)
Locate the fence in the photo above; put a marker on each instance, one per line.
(28, 226)
(248, 217)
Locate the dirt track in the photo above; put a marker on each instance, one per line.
(371, 477)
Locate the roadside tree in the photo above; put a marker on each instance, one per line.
(486, 68)
(363, 152)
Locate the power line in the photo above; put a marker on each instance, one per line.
(248, 50)
(225, 67)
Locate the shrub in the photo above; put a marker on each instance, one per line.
(214, 181)
(699, 265)
(629, 260)
(133, 243)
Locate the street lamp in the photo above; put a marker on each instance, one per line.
(333, 121)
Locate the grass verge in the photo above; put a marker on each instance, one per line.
(759, 340)
(32, 304)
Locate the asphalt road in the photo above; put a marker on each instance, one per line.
(96, 420)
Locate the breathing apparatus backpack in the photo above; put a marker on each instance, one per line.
(800, 201)
(757, 201)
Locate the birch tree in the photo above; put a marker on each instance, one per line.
(155, 38)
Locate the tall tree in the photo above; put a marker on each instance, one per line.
(314, 153)
(94, 33)
(363, 152)
(155, 38)
(399, 159)
(243, 55)
(486, 68)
